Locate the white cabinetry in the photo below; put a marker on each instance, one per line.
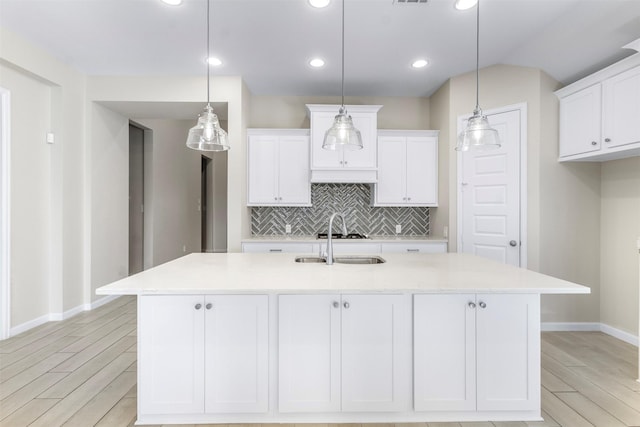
(414, 247)
(599, 114)
(278, 167)
(407, 169)
(476, 352)
(347, 353)
(280, 247)
(357, 166)
(203, 354)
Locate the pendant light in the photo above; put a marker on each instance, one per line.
(342, 134)
(207, 135)
(478, 134)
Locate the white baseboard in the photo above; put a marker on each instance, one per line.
(591, 326)
(56, 317)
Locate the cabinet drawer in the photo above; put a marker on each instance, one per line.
(352, 248)
(303, 248)
(404, 247)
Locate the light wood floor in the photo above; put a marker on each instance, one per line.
(82, 372)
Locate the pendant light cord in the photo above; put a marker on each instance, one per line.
(343, 53)
(208, 52)
(478, 56)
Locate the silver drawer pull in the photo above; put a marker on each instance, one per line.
(413, 250)
(275, 250)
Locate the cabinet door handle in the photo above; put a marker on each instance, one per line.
(336, 304)
(345, 162)
(208, 306)
(607, 140)
(472, 304)
(594, 143)
(346, 304)
(275, 198)
(482, 304)
(408, 198)
(198, 306)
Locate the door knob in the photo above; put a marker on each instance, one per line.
(513, 243)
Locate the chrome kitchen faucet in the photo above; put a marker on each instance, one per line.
(329, 237)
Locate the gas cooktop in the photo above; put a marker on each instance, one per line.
(343, 236)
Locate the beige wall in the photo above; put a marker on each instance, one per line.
(173, 202)
(59, 217)
(619, 231)
(553, 216)
(290, 111)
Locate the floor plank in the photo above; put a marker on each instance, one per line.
(589, 410)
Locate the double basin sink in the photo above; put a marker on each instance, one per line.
(341, 260)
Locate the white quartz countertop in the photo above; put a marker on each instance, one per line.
(242, 273)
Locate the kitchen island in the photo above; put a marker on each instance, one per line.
(259, 338)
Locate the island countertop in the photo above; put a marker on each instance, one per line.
(253, 273)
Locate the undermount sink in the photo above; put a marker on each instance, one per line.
(354, 259)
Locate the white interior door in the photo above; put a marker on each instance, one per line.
(489, 193)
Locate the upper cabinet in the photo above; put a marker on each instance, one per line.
(278, 167)
(599, 114)
(407, 168)
(357, 166)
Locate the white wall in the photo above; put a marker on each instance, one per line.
(30, 204)
(620, 228)
(109, 197)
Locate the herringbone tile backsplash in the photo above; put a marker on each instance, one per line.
(353, 200)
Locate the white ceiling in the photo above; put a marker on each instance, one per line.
(269, 42)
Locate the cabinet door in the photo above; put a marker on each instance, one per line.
(236, 348)
(320, 158)
(263, 170)
(422, 171)
(444, 352)
(293, 178)
(622, 109)
(580, 115)
(309, 353)
(508, 352)
(376, 353)
(367, 124)
(392, 173)
(171, 354)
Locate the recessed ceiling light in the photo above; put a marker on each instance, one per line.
(172, 2)
(319, 3)
(316, 62)
(465, 4)
(215, 61)
(420, 63)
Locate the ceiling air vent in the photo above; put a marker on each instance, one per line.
(410, 1)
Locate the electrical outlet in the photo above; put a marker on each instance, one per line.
(398, 229)
(445, 232)
(287, 228)
(184, 248)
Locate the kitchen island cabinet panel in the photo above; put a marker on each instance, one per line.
(309, 353)
(347, 353)
(171, 351)
(203, 355)
(477, 352)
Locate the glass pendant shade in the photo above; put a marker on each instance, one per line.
(478, 134)
(342, 134)
(207, 135)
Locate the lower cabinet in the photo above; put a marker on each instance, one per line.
(203, 354)
(349, 353)
(476, 352)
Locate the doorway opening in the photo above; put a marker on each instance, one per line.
(5, 284)
(213, 202)
(136, 199)
(206, 200)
